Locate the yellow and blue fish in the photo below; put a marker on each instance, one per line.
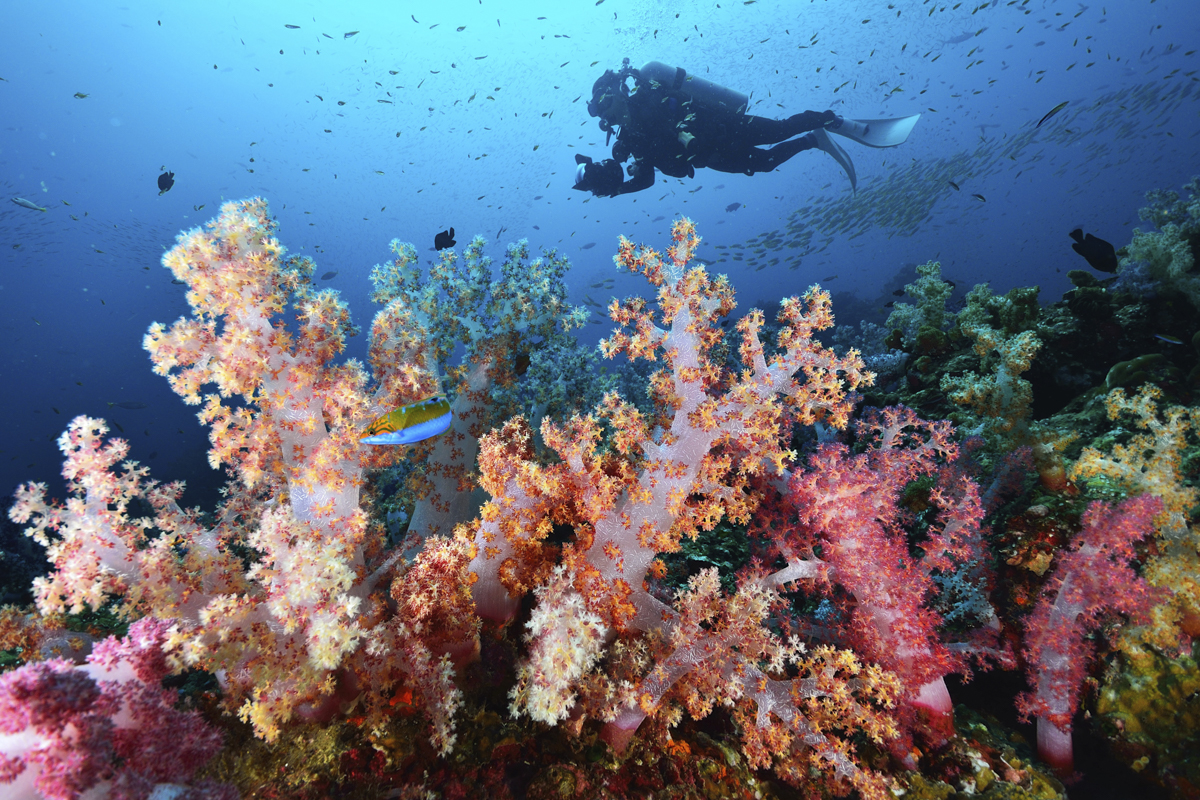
(412, 423)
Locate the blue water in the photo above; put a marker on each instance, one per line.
(469, 114)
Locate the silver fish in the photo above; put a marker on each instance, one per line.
(21, 201)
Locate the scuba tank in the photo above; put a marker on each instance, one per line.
(704, 93)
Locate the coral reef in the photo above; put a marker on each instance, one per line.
(701, 569)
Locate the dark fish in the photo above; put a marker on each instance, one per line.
(521, 364)
(659, 217)
(178, 282)
(955, 185)
(165, 182)
(1099, 254)
(733, 206)
(898, 293)
(444, 239)
(1051, 113)
(980, 198)
(328, 276)
(132, 405)
(587, 246)
(1166, 337)
(293, 27)
(348, 35)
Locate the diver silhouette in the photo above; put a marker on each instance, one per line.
(668, 120)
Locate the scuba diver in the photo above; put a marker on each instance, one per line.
(668, 120)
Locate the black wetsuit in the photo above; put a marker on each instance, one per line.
(724, 141)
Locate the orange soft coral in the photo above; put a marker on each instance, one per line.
(638, 494)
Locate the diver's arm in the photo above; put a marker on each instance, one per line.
(642, 178)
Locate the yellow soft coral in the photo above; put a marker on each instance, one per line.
(1150, 462)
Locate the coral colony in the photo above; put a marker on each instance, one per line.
(532, 571)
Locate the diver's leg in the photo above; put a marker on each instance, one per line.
(749, 160)
(761, 130)
(770, 158)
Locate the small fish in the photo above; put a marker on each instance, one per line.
(23, 203)
(1099, 254)
(348, 35)
(1052, 112)
(830, 278)
(587, 246)
(733, 207)
(165, 182)
(1166, 337)
(293, 27)
(411, 423)
(444, 239)
(328, 276)
(954, 185)
(980, 198)
(80, 95)
(199, 207)
(898, 293)
(132, 405)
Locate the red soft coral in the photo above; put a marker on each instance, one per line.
(107, 729)
(1090, 581)
(851, 510)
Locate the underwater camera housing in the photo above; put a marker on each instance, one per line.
(601, 178)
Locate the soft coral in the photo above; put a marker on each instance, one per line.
(848, 516)
(1092, 579)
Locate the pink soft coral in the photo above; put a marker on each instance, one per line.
(108, 728)
(844, 523)
(1091, 580)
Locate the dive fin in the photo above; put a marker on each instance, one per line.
(839, 155)
(877, 132)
